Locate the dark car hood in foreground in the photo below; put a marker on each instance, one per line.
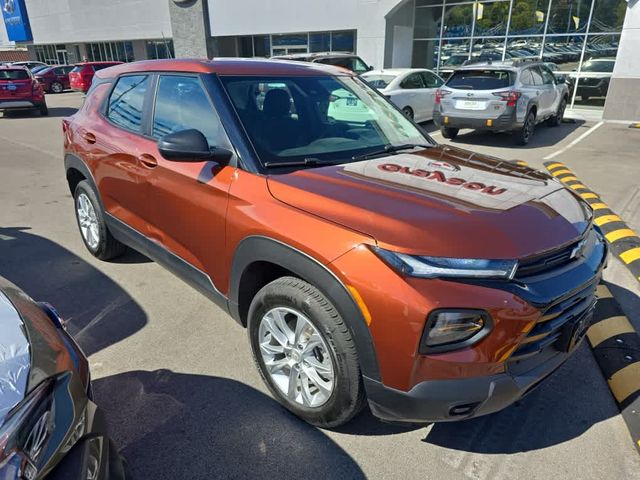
(442, 201)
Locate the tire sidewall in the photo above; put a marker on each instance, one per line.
(288, 296)
(84, 187)
(529, 122)
(53, 89)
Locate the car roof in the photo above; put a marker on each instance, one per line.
(11, 66)
(506, 65)
(227, 66)
(395, 71)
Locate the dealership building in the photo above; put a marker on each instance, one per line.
(591, 42)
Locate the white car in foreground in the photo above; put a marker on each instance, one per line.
(413, 90)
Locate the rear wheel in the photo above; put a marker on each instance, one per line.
(93, 229)
(450, 133)
(44, 110)
(305, 353)
(557, 118)
(523, 136)
(408, 112)
(56, 87)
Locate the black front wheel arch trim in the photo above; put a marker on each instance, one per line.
(264, 249)
(71, 162)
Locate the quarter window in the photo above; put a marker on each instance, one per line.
(547, 76)
(182, 104)
(537, 76)
(526, 78)
(126, 102)
(431, 80)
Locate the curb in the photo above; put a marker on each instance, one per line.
(613, 339)
(616, 348)
(624, 242)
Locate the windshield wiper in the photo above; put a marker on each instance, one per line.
(307, 162)
(390, 149)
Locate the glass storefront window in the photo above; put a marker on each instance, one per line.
(453, 54)
(159, 49)
(320, 42)
(491, 18)
(591, 84)
(563, 51)
(528, 17)
(569, 16)
(524, 47)
(608, 16)
(427, 22)
(110, 51)
(458, 20)
(261, 46)
(343, 41)
(293, 39)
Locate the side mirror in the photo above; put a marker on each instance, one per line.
(561, 79)
(190, 146)
(370, 68)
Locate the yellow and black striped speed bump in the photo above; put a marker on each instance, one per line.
(616, 347)
(635, 125)
(623, 241)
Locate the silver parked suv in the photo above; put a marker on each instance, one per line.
(505, 96)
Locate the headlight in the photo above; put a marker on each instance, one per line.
(452, 329)
(433, 267)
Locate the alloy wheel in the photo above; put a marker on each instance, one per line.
(56, 87)
(296, 357)
(88, 221)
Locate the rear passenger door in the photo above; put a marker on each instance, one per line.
(188, 199)
(431, 83)
(543, 93)
(550, 91)
(413, 94)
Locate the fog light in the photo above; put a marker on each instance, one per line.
(452, 329)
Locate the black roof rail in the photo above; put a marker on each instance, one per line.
(523, 61)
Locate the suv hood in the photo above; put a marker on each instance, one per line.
(441, 201)
(15, 359)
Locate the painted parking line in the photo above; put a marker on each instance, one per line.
(616, 348)
(574, 142)
(623, 241)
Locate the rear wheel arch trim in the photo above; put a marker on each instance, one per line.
(260, 248)
(71, 162)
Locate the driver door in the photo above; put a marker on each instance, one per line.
(188, 199)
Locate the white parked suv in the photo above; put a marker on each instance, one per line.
(507, 96)
(413, 90)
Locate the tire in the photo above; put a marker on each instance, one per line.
(44, 110)
(557, 118)
(93, 229)
(56, 87)
(408, 112)
(286, 302)
(523, 135)
(450, 133)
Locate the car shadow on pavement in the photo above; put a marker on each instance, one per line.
(98, 311)
(562, 408)
(173, 425)
(53, 112)
(544, 136)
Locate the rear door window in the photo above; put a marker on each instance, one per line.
(547, 76)
(481, 79)
(526, 78)
(431, 80)
(414, 80)
(126, 102)
(537, 76)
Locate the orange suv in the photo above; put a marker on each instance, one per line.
(368, 263)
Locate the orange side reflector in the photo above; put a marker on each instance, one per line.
(363, 307)
(446, 119)
(489, 123)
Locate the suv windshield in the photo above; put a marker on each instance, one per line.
(14, 75)
(323, 119)
(598, 66)
(481, 79)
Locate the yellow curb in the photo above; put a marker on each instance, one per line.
(555, 165)
(568, 178)
(604, 219)
(630, 255)
(598, 206)
(620, 233)
(577, 186)
(589, 195)
(607, 328)
(625, 381)
(561, 172)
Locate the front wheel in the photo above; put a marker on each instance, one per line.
(305, 353)
(56, 87)
(94, 231)
(408, 112)
(44, 110)
(557, 118)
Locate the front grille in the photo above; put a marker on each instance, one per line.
(549, 330)
(546, 261)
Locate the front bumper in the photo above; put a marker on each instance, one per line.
(459, 399)
(506, 121)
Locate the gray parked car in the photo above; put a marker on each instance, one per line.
(507, 96)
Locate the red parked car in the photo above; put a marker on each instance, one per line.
(55, 79)
(81, 76)
(20, 91)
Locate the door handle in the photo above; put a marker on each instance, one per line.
(148, 160)
(89, 137)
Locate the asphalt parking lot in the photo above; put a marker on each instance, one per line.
(174, 374)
